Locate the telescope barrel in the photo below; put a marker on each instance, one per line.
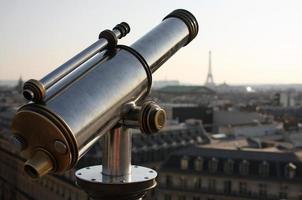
(69, 122)
(106, 38)
(163, 41)
(75, 74)
(73, 63)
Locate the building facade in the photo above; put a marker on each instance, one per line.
(202, 173)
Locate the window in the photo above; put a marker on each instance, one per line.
(182, 197)
(264, 169)
(283, 192)
(169, 182)
(54, 188)
(228, 166)
(213, 165)
(244, 168)
(290, 170)
(184, 163)
(212, 185)
(262, 190)
(61, 191)
(44, 182)
(198, 164)
(198, 183)
(183, 182)
(167, 197)
(227, 187)
(243, 188)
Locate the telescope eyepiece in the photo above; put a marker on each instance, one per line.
(39, 164)
(189, 19)
(28, 94)
(124, 28)
(33, 90)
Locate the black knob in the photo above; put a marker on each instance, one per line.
(124, 28)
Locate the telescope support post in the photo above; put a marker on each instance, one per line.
(117, 152)
(116, 179)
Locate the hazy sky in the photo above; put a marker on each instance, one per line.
(255, 41)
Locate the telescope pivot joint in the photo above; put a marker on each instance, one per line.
(150, 118)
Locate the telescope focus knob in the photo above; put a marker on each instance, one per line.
(124, 29)
(152, 117)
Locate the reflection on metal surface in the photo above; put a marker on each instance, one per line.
(92, 174)
(117, 152)
(100, 93)
(36, 90)
(149, 117)
(129, 187)
(39, 164)
(86, 98)
(60, 147)
(152, 118)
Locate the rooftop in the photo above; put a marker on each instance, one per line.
(236, 151)
(186, 89)
(223, 118)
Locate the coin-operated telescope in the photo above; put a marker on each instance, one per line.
(100, 93)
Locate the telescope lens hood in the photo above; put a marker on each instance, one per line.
(189, 19)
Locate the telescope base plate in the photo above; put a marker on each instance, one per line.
(103, 187)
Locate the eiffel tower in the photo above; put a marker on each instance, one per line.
(210, 80)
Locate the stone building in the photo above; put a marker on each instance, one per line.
(224, 172)
(184, 94)
(152, 150)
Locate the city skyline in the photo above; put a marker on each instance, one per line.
(251, 42)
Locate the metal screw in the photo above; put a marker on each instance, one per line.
(60, 147)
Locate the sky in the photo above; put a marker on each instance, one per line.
(252, 41)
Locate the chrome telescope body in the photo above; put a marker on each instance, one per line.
(36, 90)
(75, 105)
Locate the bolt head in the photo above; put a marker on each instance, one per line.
(60, 147)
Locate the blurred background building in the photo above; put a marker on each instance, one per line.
(217, 145)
